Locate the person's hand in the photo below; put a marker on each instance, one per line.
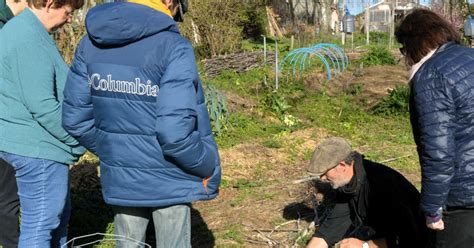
(350, 243)
(439, 225)
(316, 242)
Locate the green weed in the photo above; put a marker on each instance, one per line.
(355, 89)
(378, 55)
(217, 108)
(276, 103)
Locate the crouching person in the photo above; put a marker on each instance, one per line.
(375, 206)
(134, 98)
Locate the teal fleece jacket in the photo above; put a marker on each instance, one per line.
(32, 79)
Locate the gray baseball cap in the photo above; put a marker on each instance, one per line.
(328, 154)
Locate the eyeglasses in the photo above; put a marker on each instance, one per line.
(69, 13)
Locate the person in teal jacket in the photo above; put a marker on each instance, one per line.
(9, 202)
(32, 140)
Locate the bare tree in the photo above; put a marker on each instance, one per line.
(292, 12)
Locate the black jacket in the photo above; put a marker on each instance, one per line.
(5, 13)
(442, 117)
(377, 203)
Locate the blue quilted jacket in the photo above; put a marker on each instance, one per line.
(133, 97)
(442, 116)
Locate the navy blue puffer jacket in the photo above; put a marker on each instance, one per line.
(133, 97)
(442, 116)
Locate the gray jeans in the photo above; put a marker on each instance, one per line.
(172, 225)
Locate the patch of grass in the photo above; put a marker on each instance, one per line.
(378, 137)
(245, 84)
(292, 153)
(235, 233)
(269, 195)
(376, 38)
(243, 183)
(307, 154)
(261, 171)
(355, 89)
(225, 183)
(239, 198)
(247, 189)
(272, 143)
(245, 127)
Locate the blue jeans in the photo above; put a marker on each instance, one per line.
(172, 225)
(43, 188)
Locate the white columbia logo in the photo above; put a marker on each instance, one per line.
(134, 87)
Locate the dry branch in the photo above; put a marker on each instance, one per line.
(305, 232)
(267, 238)
(274, 28)
(394, 159)
(275, 230)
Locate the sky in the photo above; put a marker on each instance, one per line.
(357, 6)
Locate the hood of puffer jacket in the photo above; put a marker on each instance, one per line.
(116, 24)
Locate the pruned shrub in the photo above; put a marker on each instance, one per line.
(378, 56)
(396, 103)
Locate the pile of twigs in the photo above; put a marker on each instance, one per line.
(240, 62)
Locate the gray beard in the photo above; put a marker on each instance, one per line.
(336, 185)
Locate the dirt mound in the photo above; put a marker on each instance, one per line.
(236, 102)
(369, 85)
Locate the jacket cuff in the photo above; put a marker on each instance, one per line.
(434, 217)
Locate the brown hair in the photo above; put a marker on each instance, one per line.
(174, 1)
(75, 4)
(421, 31)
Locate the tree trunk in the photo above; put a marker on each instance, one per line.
(313, 13)
(292, 12)
(307, 16)
(325, 16)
